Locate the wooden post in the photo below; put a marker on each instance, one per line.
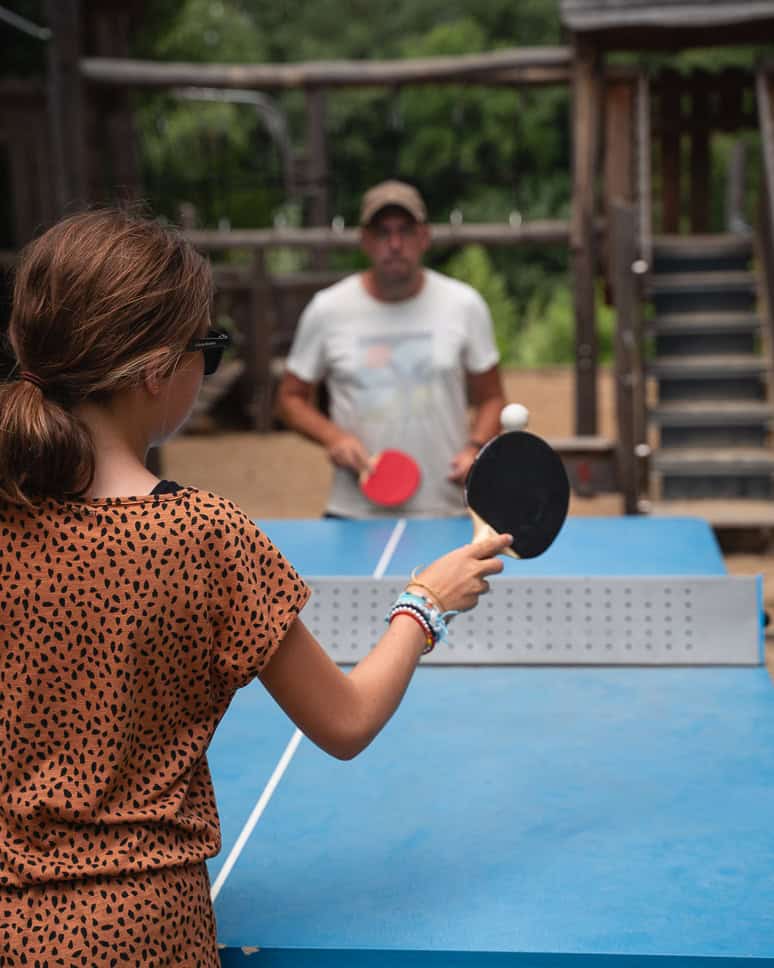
(630, 380)
(44, 169)
(585, 125)
(118, 174)
(257, 323)
(619, 163)
(700, 155)
(765, 97)
(731, 85)
(20, 180)
(670, 110)
(316, 166)
(644, 172)
(65, 101)
(24, 134)
(735, 188)
(619, 142)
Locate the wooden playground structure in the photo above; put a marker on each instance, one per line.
(694, 412)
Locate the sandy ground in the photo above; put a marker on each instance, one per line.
(280, 475)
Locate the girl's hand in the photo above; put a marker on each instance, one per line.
(456, 580)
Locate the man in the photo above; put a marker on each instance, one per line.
(398, 346)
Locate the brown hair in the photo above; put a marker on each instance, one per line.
(99, 299)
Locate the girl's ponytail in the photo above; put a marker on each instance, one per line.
(44, 449)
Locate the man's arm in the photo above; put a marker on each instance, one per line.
(487, 398)
(297, 410)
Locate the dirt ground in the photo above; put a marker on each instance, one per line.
(280, 475)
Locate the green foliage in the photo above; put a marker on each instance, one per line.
(202, 152)
(548, 335)
(209, 154)
(469, 147)
(542, 330)
(181, 139)
(297, 30)
(209, 30)
(286, 260)
(473, 265)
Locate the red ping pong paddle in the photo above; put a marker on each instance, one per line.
(518, 485)
(391, 479)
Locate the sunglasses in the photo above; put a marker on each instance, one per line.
(212, 345)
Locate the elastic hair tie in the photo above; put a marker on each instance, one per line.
(32, 378)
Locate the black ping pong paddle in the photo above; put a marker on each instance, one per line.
(518, 485)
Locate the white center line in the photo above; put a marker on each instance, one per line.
(255, 816)
(389, 549)
(290, 749)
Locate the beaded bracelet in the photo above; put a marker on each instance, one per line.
(427, 610)
(404, 610)
(447, 614)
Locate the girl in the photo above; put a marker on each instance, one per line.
(132, 609)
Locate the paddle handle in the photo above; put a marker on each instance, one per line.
(483, 530)
(363, 476)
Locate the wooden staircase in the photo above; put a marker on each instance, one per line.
(712, 416)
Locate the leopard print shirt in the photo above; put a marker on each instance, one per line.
(126, 626)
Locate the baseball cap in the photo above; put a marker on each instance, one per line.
(396, 193)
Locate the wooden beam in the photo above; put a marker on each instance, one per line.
(548, 232)
(658, 35)
(585, 136)
(512, 65)
(527, 77)
(583, 15)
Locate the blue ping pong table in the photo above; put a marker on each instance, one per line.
(526, 815)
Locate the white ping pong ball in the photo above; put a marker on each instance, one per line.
(514, 416)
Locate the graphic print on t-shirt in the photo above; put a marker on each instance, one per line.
(395, 377)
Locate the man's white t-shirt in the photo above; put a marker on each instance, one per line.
(395, 374)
